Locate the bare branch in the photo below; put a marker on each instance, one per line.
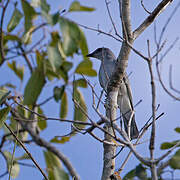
(41, 142)
(112, 22)
(100, 31)
(163, 85)
(160, 7)
(168, 21)
(170, 81)
(27, 59)
(124, 7)
(142, 4)
(163, 165)
(153, 131)
(152, 141)
(168, 152)
(45, 101)
(29, 154)
(1, 33)
(125, 161)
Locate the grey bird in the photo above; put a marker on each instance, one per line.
(124, 99)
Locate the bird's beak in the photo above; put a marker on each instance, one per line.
(89, 55)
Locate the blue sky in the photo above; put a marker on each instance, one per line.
(85, 153)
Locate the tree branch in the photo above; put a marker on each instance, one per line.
(1, 34)
(161, 6)
(153, 130)
(41, 142)
(29, 154)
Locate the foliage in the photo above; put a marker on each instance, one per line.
(174, 163)
(53, 60)
(43, 48)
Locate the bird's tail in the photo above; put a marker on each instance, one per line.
(134, 133)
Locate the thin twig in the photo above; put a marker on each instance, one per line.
(29, 154)
(12, 160)
(45, 101)
(168, 152)
(27, 60)
(110, 35)
(112, 22)
(1, 34)
(168, 50)
(93, 91)
(160, 7)
(100, 99)
(170, 80)
(3, 139)
(142, 4)
(153, 131)
(53, 119)
(168, 21)
(7, 165)
(125, 161)
(101, 32)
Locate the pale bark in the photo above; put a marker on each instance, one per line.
(116, 78)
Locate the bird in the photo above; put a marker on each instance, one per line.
(124, 99)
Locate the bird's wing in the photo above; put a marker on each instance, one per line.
(101, 80)
(128, 88)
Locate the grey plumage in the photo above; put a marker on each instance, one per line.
(124, 99)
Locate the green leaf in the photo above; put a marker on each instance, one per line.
(3, 115)
(75, 6)
(3, 95)
(85, 68)
(66, 66)
(27, 36)
(63, 74)
(50, 74)
(168, 145)
(42, 124)
(19, 71)
(141, 172)
(34, 87)
(79, 113)
(51, 160)
(15, 19)
(55, 38)
(80, 83)
(130, 175)
(175, 160)
(83, 44)
(29, 14)
(177, 129)
(24, 156)
(44, 6)
(54, 57)
(9, 85)
(64, 105)
(55, 172)
(11, 37)
(35, 3)
(73, 37)
(54, 18)
(60, 174)
(62, 140)
(15, 170)
(40, 60)
(58, 92)
(15, 166)
(63, 70)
